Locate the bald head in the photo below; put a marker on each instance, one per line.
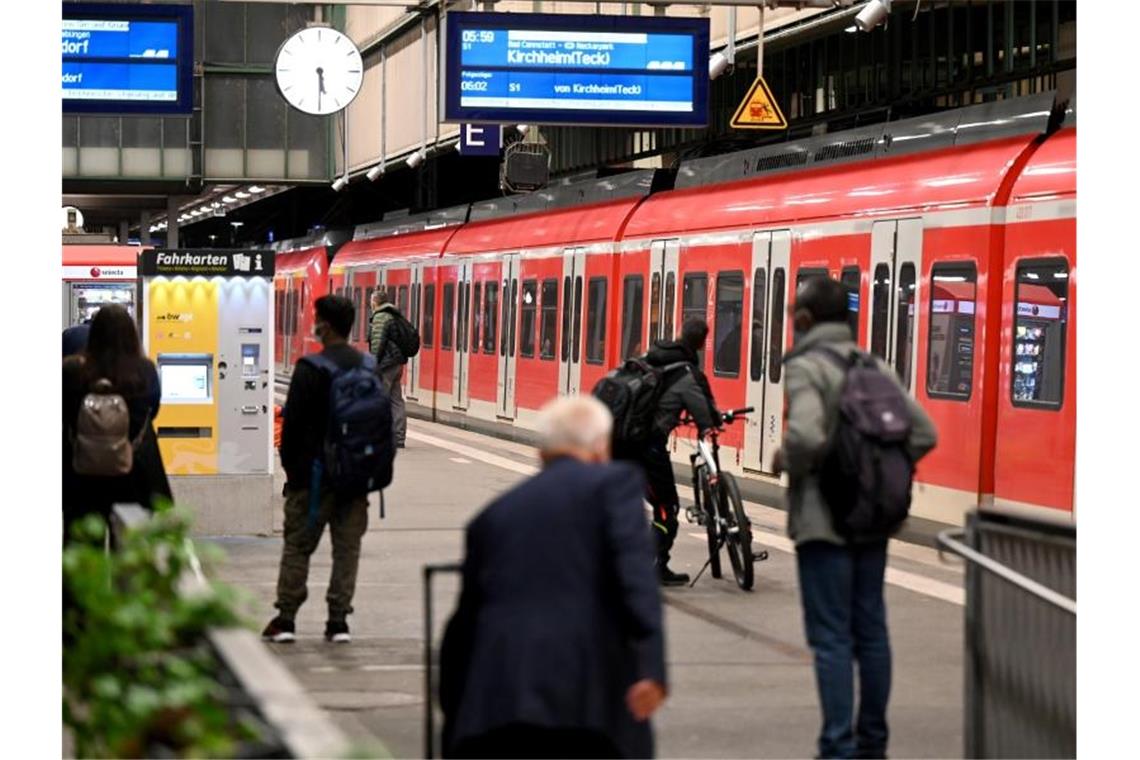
(575, 426)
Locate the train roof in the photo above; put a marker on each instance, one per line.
(402, 223)
(331, 239)
(634, 184)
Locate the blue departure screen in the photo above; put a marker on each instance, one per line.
(577, 69)
(133, 59)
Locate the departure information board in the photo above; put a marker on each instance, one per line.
(127, 58)
(573, 69)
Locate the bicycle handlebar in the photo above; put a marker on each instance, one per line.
(727, 417)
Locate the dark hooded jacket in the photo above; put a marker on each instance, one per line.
(687, 389)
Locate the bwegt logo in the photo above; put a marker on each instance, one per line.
(191, 259)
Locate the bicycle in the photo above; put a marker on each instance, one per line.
(718, 507)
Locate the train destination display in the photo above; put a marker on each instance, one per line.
(566, 69)
(126, 59)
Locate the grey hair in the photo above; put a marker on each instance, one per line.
(574, 422)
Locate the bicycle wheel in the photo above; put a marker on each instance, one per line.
(739, 530)
(707, 503)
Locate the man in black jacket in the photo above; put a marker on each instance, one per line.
(557, 647)
(310, 506)
(686, 389)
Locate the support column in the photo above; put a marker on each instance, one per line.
(172, 212)
(124, 231)
(144, 227)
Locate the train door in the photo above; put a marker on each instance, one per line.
(771, 252)
(663, 255)
(462, 364)
(412, 374)
(896, 263)
(507, 344)
(573, 274)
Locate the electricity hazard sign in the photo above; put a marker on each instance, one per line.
(758, 110)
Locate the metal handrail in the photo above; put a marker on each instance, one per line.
(949, 539)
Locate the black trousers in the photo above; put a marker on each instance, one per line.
(661, 491)
(521, 740)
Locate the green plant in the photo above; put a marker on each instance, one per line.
(138, 673)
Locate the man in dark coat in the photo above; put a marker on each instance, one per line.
(557, 647)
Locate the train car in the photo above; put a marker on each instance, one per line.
(301, 267)
(94, 275)
(525, 299)
(401, 256)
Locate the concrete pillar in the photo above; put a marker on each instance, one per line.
(124, 231)
(172, 213)
(144, 227)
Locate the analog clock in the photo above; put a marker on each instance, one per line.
(319, 70)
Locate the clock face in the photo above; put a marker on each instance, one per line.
(319, 70)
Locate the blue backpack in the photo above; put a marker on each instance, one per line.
(359, 448)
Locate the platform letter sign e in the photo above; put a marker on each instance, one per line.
(480, 139)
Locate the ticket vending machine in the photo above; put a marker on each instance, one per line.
(208, 327)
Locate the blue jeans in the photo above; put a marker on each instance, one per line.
(846, 620)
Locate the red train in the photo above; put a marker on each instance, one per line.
(957, 231)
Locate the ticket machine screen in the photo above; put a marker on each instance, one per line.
(185, 382)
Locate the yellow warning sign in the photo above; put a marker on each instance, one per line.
(758, 110)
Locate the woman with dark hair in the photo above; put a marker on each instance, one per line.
(113, 353)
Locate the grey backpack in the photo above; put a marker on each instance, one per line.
(100, 443)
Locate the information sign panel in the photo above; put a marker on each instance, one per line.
(576, 69)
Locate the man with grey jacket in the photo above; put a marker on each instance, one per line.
(390, 360)
(841, 581)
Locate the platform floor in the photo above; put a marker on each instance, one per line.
(741, 676)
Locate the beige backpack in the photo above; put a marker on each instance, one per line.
(100, 444)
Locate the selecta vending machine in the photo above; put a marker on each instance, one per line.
(96, 275)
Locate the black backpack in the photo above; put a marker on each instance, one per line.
(631, 392)
(359, 447)
(866, 474)
(404, 335)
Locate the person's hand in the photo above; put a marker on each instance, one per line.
(644, 697)
(778, 462)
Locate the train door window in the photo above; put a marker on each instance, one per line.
(566, 294)
(291, 312)
(514, 315)
(728, 324)
(490, 315)
(670, 295)
(1040, 321)
(776, 336)
(655, 307)
(368, 304)
(464, 318)
(850, 278)
(285, 312)
(549, 318)
(694, 296)
(806, 273)
(880, 309)
(448, 315)
(759, 302)
(904, 330)
(596, 321)
(527, 318)
(576, 348)
(476, 316)
(414, 314)
(402, 299)
(950, 337)
(506, 318)
(633, 302)
(429, 315)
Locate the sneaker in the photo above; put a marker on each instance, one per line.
(337, 632)
(670, 578)
(280, 630)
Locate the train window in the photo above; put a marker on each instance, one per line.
(549, 317)
(506, 321)
(880, 309)
(461, 316)
(633, 302)
(402, 299)
(514, 313)
(670, 294)
(429, 315)
(1040, 323)
(596, 321)
(361, 315)
(729, 323)
(850, 278)
(904, 330)
(476, 316)
(291, 312)
(694, 297)
(807, 273)
(414, 315)
(566, 318)
(776, 336)
(448, 316)
(527, 321)
(490, 315)
(654, 307)
(576, 348)
(759, 301)
(950, 339)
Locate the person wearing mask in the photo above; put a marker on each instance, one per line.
(686, 389)
(390, 360)
(840, 580)
(113, 353)
(557, 647)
